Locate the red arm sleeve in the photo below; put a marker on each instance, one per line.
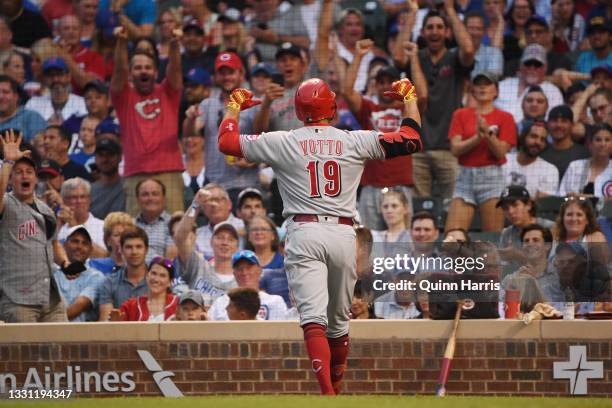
(229, 138)
(403, 142)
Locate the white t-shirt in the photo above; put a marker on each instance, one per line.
(539, 176)
(510, 101)
(577, 175)
(93, 225)
(273, 307)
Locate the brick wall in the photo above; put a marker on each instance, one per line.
(487, 366)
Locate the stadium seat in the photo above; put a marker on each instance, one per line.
(433, 205)
(548, 207)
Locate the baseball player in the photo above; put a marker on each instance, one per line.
(318, 169)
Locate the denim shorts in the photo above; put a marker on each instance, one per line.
(475, 185)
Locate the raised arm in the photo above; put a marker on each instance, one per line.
(354, 99)
(406, 21)
(417, 75)
(229, 131)
(10, 145)
(322, 50)
(466, 47)
(174, 72)
(185, 226)
(408, 139)
(120, 69)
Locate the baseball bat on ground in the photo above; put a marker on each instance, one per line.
(448, 354)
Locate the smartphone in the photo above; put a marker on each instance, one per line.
(262, 26)
(279, 79)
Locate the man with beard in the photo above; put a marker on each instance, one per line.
(526, 168)
(28, 232)
(384, 116)
(598, 31)
(107, 193)
(148, 115)
(532, 71)
(197, 88)
(60, 103)
(446, 72)
(231, 173)
(563, 150)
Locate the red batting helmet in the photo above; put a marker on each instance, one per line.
(314, 101)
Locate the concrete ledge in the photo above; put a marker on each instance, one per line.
(577, 329)
(290, 331)
(217, 331)
(78, 332)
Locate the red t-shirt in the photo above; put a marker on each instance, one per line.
(148, 129)
(384, 173)
(53, 10)
(90, 61)
(463, 124)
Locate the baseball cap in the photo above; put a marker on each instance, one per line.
(55, 63)
(288, 48)
(107, 21)
(228, 59)
(108, 145)
(390, 72)
(561, 111)
(107, 126)
(193, 295)
(78, 228)
(262, 67)
(534, 52)
(193, 25)
(602, 69)
(535, 19)
(513, 193)
(49, 167)
(248, 192)
(492, 77)
(598, 23)
(226, 226)
(231, 15)
(198, 76)
(96, 84)
(245, 255)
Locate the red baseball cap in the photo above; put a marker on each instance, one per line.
(228, 59)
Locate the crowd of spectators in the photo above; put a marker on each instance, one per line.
(109, 112)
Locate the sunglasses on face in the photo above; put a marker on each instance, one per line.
(533, 64)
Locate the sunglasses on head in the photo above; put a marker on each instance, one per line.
(533, 64)
(165, 262)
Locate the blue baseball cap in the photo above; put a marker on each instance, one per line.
(107, 126)
(198, 76)
(262, 67)
(245, 255)
(55, 63)
(107, 21)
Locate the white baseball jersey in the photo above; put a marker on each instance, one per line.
(318, 167)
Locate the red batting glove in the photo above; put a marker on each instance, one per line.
(241, 99)
(402, 91)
